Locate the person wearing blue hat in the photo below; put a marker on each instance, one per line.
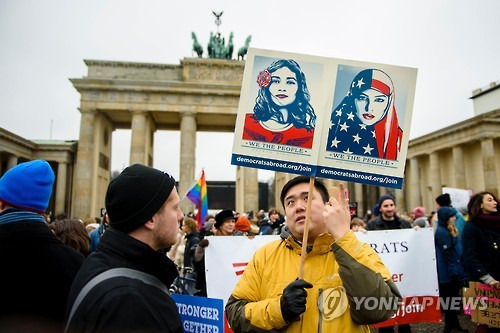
(444, 200)
(451, 274)
(37, 269)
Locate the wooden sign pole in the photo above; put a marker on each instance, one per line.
(305, 236)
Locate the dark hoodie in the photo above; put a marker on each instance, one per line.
(448, 250)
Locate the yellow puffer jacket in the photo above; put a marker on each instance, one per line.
(341, 273)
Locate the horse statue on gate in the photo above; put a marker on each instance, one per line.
(228, 52)
(244, 49)
(196, 46)
(210, 46)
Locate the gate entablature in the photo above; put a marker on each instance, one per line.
(208, 87)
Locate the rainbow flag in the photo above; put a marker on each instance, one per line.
(198, 195)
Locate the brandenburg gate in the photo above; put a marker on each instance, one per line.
(196, 95)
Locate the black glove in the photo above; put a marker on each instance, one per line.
(293, 300)
(203, 243)
(459, 281)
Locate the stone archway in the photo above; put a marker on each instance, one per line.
(196, 95)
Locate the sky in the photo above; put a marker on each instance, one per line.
(454, 44)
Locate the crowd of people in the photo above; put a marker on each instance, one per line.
(86, 276)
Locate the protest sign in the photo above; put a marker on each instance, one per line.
(459, 197)
(408, 254)
(200, 314)
(411, 258)
(325, 117)
(488, 312)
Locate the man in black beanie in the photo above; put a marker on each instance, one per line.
(388, 220)
(443, 200)
(122, 285)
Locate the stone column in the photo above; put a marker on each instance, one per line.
(239, 189)
(247, 190)
(489, 167)
(413, 191)
(350, 186)
(138, 151)
(459, 167)
(356, 195)
(82, 184)
(434, 176)
(142, 141)
(280, 179)
(150, 142)
(62, 172)
(400, 201)
(188, 158)
(382, 191)
(11, 162)
(371, 196)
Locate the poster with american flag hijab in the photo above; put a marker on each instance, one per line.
(324, 117)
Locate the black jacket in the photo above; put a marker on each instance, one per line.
(192, 239)
(36, 272)
(481, 251)
(123, 304)
(380, 224)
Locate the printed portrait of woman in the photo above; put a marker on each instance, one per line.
(365, 122)
(282, 113)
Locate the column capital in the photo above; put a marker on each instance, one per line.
(135, 111)
(187, 114)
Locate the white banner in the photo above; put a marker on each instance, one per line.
(408, 254)
(226, 259)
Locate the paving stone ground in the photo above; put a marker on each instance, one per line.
(465, 322)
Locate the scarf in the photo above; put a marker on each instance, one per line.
(489, 221)
(12, 215)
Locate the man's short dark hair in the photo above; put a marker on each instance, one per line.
(304, 179)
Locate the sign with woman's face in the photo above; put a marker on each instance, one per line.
(325, 117)
(283, 87)
(371, 106)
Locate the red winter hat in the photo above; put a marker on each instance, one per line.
(418, 212)
(243, 224)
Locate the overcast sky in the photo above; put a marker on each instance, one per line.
(453, 43)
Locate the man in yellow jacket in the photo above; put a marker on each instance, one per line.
(348, 286)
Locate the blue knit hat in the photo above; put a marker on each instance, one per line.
(28, 186)
(444, 214)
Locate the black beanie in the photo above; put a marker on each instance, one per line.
(135, 195)
(444, 200)
(384, 198)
